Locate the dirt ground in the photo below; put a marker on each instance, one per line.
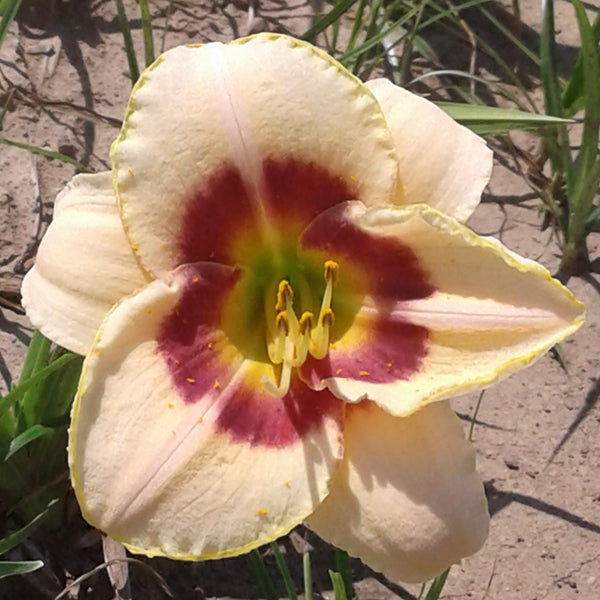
(537, 433)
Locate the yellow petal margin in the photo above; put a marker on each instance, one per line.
(84, 265)
(203, 120)
(153, 469)
(407, 499)
(492, 313)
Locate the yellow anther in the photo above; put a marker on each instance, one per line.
(262, 511)
(190, 380)
(282, 322)
(327, 317)
(284, 296)
(331, 270)
(305, 322)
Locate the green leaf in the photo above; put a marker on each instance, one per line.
(437, 585)
(587, 168)
(337, 581)
(573, 97)
(134, 70)
(342, 564)
(307, 571)
(8, 568)
(147, 30)
(331, 17)
(284, 571)
(557, 144)
(260, 571)
(33, 433)
(22, 387)
(550, 83)
(593, 217)
(489, 120)
(12, 540)
(9, 11)
(37, 345)
(46, 153)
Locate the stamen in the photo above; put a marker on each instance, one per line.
(285, 302)
(282, 389)
(289, 340)
(320, 334)
(304, 327)
(276, 345)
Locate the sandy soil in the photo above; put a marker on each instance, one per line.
(536, 434)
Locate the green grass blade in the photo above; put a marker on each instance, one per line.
(593, 218)
(46, 153)
(8, 568)
(591, 68)
(284, 571)
(39, 361)
(13, 539)
(342, 564)
(38, 341)
(587, 166)
(375, 39)
(134, 70)
(307, 572)
(339, 591)
(325, 21)
(573, 97)
(262, 576)
(163, 38)
(556, 145)
(357, 24)
(449, 12)
(550, 83)
(23, 387)
(147, 32)
(33, 433)
(58, 390)
(9, 12)
(489, 120)
(437, 585)
(510, 36)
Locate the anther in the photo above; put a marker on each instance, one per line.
(282, 322)
(305, 323)
(331, 271)
(327, 317)
(284, 296)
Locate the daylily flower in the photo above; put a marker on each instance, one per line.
(275, 308)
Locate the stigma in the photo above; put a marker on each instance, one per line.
(291, 339)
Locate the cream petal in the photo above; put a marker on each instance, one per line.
(226, 147)
(407, 500)
(441, 163)
(83, 266)
(443, 310)
(175, 448)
